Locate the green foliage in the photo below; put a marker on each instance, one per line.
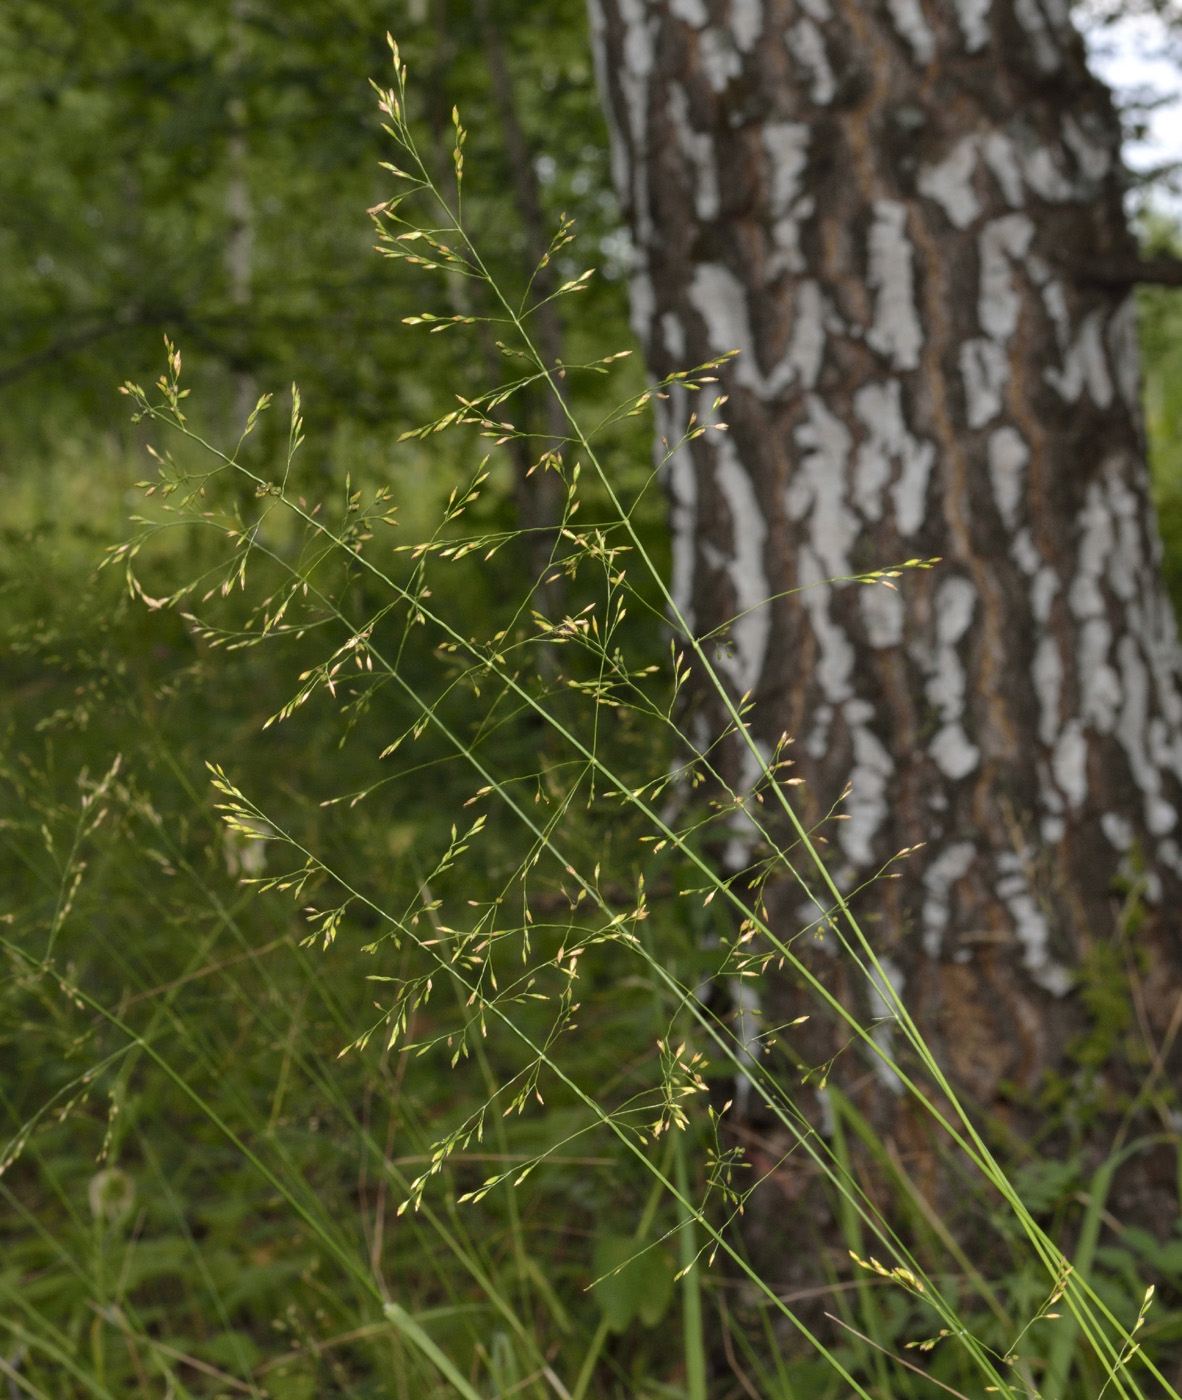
(358, 882)
(1105, 992)
(634, 1283)
(1160, 311)
(204, 171)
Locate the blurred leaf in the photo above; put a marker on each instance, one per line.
(634, 1282)
(1046, 1184)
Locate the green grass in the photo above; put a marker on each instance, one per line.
(357, 909)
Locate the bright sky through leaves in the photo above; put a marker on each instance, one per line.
(1137, 59)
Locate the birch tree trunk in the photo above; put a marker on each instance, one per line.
(900, 213)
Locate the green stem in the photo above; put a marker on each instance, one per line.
(691, 1287)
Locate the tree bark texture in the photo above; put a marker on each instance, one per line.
(879, 203)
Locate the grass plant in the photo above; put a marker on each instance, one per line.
(394, 1031)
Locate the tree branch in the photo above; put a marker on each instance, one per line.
(1165, 271)
(60, 349)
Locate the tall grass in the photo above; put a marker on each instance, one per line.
(422, 1045)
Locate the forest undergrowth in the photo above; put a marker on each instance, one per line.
(374, 1001)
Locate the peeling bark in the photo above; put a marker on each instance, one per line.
(899, 213)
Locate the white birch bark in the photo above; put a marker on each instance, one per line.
(881, 207)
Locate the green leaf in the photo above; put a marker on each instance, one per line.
(634, 1282)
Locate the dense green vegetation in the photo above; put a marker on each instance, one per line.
(1161, 346)
(192, 1011)
(208, 1127)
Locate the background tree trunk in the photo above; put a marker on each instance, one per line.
(887, 208)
